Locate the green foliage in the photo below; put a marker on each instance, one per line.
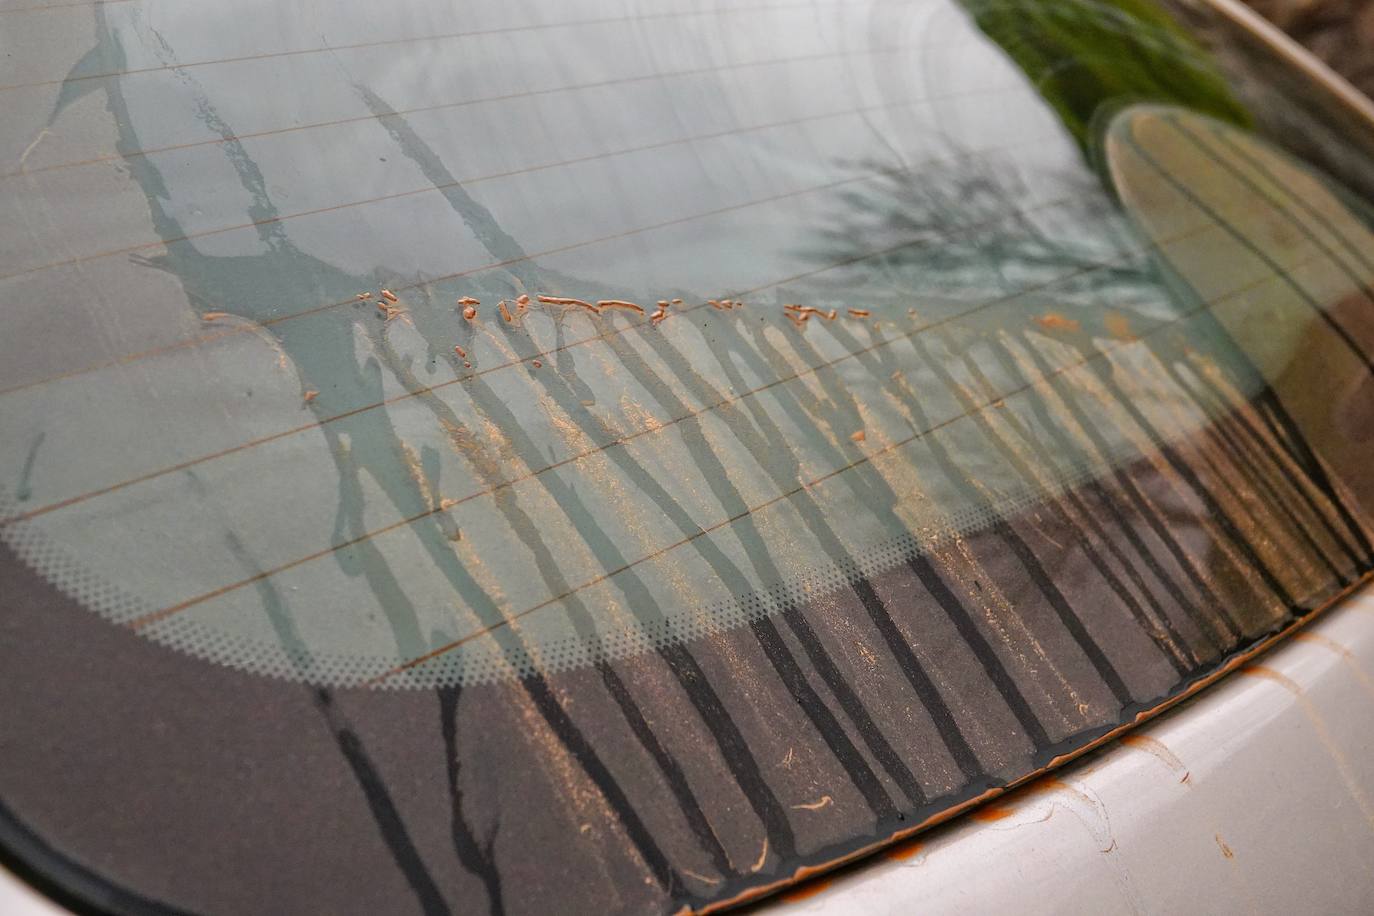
(1082, 55)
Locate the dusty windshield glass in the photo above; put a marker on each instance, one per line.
(920, 388)
(623, 328)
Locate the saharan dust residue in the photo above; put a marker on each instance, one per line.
(583, 803)
(563, 300)
(800, 314)
(1060, 406)
(997, 611)
(699, 877)
(824, 801)
(1053, 321)
(389, 306)
(620, 304)
(763, 857)
(1119, 326)
(417, 473)
(1231, 487)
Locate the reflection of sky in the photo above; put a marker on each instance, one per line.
(728, 87)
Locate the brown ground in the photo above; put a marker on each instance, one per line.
(1340, 32)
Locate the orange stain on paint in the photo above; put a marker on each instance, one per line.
(806, 891)
(988, 814)
(904, 851)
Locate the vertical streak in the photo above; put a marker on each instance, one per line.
(1226, 626)
(1075, 499)
(902, 652)
(591, 763)
(669, 767)
(916, 676)
(476, 857)
(1275, 457)
(790, 673)
(992, 666)
(1166, 640)
(383, 809)
(387, 818)
(1253, 472)
(1189, 477)
(768, 453)
(729, 497)
(854, 710)
(1025, 557)
(734, 750)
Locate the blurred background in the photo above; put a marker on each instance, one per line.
(1340, 32)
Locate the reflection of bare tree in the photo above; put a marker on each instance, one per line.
(986, 228)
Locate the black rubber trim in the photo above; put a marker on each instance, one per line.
(65, 882)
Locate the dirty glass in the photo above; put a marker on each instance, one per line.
(453, 455)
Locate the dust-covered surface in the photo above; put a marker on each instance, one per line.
(650, 455)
